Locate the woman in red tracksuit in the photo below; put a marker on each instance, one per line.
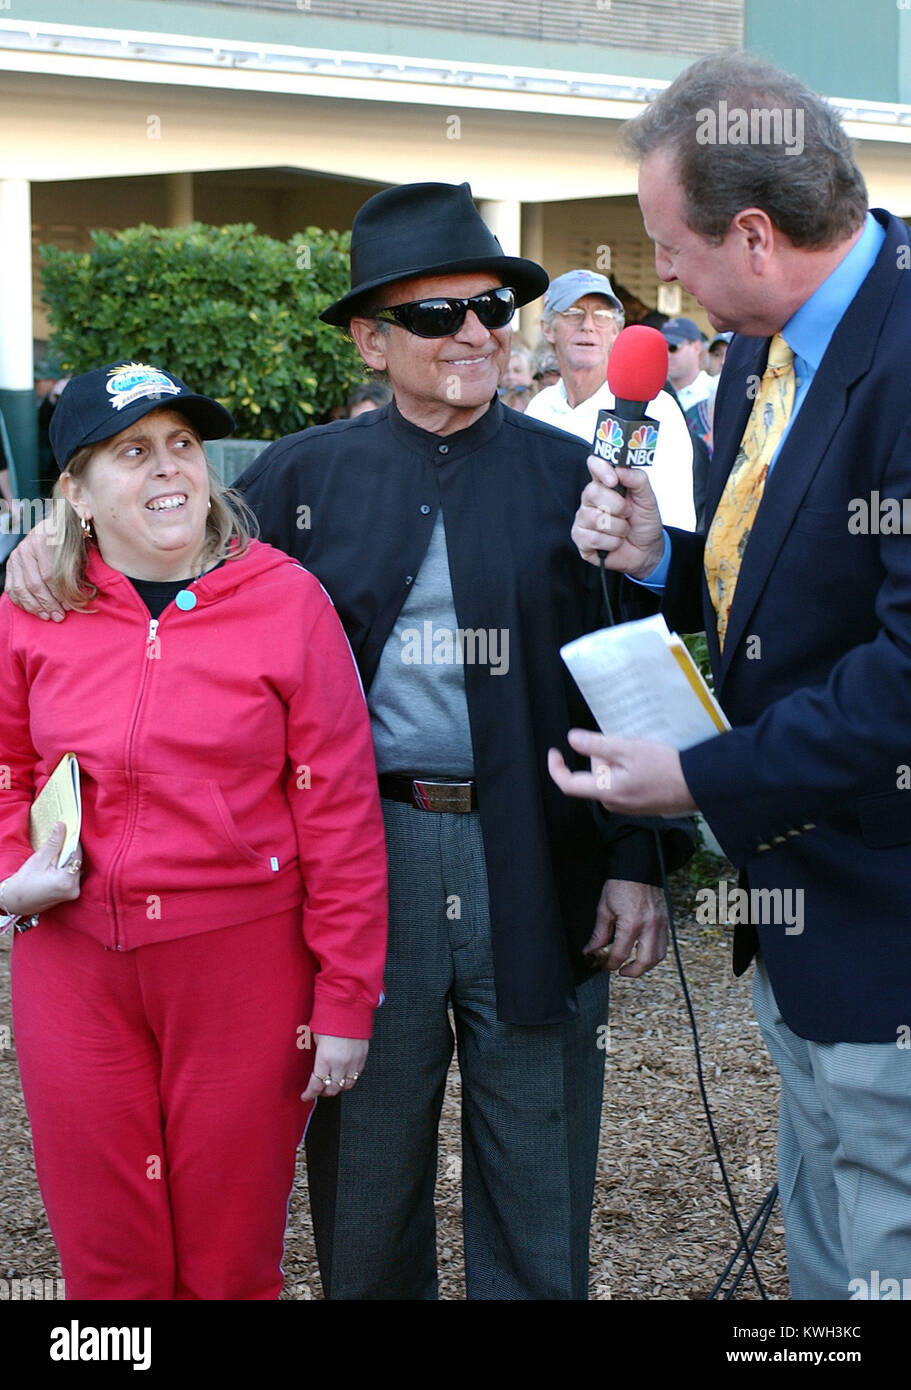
(208, 962)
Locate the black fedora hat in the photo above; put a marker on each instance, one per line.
(425, 229)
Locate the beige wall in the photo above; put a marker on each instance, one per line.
(575, 231)
(76, 128)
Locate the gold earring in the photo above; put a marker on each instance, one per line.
(85, 524)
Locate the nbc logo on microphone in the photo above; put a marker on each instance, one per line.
(642, 446)
(610, 434)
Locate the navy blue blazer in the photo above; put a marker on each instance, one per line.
(810, 790)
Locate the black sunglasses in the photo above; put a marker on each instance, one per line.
(441, 317)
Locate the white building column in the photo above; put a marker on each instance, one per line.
(520, 231)
(17, 385)
(533, 250)
(179, 192)
(533, 231)
(16, 363)
(504, 218)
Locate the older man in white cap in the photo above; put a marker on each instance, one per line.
(582, 316)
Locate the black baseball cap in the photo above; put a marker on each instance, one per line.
(100, 404)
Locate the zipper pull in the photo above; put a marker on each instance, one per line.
(153, 642)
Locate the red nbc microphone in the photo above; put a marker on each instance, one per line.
(636, 372)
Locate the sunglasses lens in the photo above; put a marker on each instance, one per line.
(440, 318)
(495, 308)
(433, 318)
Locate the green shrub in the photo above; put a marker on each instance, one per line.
(699, 651)
(233, 313)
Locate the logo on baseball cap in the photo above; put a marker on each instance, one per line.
(99, 404)
(575, 284)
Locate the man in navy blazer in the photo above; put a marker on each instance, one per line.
(810, 792)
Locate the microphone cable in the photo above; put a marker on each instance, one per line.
(764, 1211)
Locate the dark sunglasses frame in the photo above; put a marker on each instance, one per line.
(439, 316)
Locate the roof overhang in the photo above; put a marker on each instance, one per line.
(139, 56)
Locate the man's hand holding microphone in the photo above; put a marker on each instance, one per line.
(618, 517)
(625, 527)
(619, 514)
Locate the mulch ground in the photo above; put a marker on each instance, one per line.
(662, 1227)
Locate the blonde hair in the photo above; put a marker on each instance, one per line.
(230, 526)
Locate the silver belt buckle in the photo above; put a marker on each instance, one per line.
(441, 796)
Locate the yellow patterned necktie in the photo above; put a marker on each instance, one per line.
(733, 521)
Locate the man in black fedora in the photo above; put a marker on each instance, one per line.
(440, 525)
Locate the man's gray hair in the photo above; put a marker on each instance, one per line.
(815, 194)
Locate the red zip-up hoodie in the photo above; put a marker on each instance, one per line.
(227, 768)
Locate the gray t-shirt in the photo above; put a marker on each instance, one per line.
(417, 702)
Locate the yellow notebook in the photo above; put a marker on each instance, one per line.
(59, 799)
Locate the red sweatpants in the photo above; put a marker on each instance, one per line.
(163, 1088)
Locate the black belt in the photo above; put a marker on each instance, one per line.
(429, 793)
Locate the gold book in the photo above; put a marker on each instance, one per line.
(59, 799)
